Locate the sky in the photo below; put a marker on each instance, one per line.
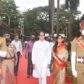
(29, 4)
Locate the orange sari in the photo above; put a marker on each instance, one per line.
(59, 64)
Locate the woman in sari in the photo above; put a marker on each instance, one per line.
(60, 55)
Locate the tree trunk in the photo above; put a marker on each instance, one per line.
(51, 15)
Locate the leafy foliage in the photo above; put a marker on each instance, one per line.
(72, 4)
(9, 13)
(36, 20)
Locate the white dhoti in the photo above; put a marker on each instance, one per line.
(41, 70)
(41, 57)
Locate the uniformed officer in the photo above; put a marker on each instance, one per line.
(2, 52)
(77, 56)
(2, 43)
(3, 29)
(9, 60)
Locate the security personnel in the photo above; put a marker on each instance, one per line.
(77, 56)
(10, 59)
(2, 44)
(2, 49)
(3, 29)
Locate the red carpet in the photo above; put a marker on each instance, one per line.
(22, 79)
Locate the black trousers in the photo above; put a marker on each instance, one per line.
(51, 64)
(17, 65)
(29, 64)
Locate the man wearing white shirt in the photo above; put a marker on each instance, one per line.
(17, 43)
(41, 58)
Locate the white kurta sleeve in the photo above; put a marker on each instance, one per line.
(33, 54)
(49, 54)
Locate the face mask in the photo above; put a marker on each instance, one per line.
(82, 32)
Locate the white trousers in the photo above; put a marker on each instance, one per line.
(42, 80)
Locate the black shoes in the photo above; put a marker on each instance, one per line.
(28, 76)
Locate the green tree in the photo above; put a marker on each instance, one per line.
(9, 13)
(64, 17)
(36, 19)
(72, 4)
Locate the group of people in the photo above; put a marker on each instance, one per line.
(42, 55)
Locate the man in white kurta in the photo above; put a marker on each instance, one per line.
(41, 57)
(18, 44)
